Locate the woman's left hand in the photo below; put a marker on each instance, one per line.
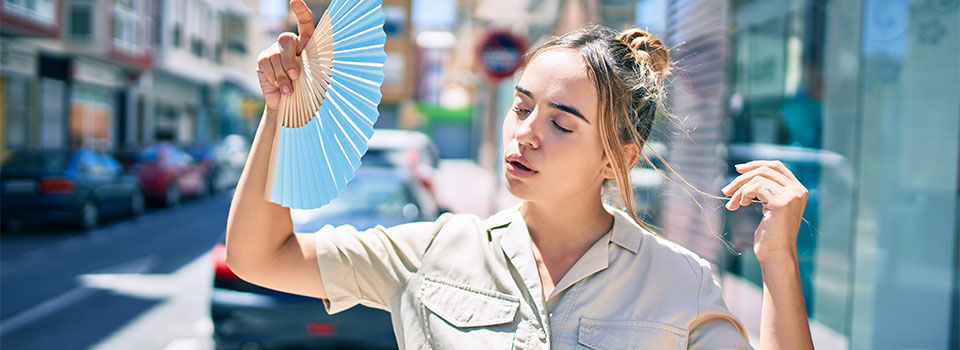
(783, 198)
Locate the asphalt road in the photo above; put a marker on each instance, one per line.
(140, 283)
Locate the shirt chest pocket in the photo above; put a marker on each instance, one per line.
(628, 334)
(470, 317)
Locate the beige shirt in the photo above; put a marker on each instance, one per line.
(465, 283)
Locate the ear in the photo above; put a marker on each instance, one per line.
(631, 153)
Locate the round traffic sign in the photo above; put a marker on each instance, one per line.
(500, 53)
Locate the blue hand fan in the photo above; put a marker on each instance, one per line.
(324, 125)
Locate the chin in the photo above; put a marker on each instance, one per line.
(518, 188)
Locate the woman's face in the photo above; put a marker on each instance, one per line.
(552, 125)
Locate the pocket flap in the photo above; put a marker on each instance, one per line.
(629, 334)
(465, 306)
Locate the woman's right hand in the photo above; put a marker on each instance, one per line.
(279, 64)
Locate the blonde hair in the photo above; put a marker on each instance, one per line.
(629, 69)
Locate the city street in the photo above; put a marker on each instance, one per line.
(137, 283)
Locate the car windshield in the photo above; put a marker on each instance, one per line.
(37, 162)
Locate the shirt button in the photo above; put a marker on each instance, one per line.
(543, 335)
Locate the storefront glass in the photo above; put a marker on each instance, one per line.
(860, 100)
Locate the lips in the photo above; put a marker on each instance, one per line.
(520, 162)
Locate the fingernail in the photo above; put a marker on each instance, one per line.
(292, 73)
(728, 204)
(725, 188)
(285, 90)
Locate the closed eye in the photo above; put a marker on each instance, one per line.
(520, 111)
(566, 131)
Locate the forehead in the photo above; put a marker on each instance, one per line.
(560, 75)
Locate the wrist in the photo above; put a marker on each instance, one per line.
(779, 262)
(270, 113)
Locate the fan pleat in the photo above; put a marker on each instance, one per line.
(315, 167)
(351, 152)
(327, 170)
(362, 126)
(357, 135)
(344, 17)
(335, 154)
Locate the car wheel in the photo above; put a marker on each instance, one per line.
(137, 204)
(173, 195)
(89, 215)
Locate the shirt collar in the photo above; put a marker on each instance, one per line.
(626, 233)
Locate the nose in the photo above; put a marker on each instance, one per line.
(526, 131)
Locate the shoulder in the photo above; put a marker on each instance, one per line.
(664, 256)
(668, 252)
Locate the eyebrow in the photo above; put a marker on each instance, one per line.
(562, 107)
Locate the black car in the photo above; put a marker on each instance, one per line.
(78, 188)
(249, 316)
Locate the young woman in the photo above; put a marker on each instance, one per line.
(559, 270)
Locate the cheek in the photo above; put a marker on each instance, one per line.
(507, 129)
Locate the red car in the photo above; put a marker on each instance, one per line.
(167, 174)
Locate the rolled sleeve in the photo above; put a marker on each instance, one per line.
(715, 327)
(370, 267)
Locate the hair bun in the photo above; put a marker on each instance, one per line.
(647, 49)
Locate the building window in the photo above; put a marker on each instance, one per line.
(129, 26)
(177, 35)
(235, 34)
(196, 46)
(39, 10)
(80, 20)
(16, 129)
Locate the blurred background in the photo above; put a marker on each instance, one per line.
(124, 125)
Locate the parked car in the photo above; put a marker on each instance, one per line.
(249, 316)
(167, 174)
(223, 161)
(410, 150)
(78, 187)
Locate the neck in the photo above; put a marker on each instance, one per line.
(566, 227)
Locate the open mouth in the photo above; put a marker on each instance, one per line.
(520, 166)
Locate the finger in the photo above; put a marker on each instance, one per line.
(305, 24)
(743, 196)
(775, 164)
(282, 80)
(767, 172)
(752, 191)
(266, 70)
(288, 54)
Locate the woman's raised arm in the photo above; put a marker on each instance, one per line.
(261, 246)
(783, 319)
